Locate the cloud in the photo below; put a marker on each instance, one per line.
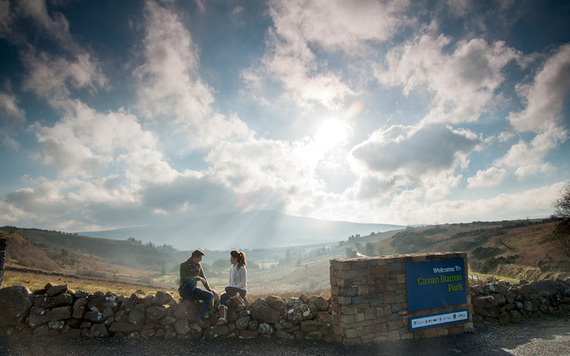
(409, 207)
(5, 18)
(534, 202)
(170, 88)
(412, 151)
(27, 25)
(11, 117)
(491, 177)
(543, 115)
(302, 28)
(51, 76)
(545, 97)
(85, 142)
(529, 159)
(462, 83)
(10, 112)
(336, 25)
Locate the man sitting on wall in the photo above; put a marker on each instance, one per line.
(190, 273)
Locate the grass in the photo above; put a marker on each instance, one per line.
(499, 278)
(36, 281)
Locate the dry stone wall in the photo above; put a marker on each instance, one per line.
(350, 313)
(59, 310)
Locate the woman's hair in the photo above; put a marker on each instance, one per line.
(240, 257)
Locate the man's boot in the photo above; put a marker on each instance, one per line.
(223, 315)
(239, 302)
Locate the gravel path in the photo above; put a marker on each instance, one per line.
(543, 337)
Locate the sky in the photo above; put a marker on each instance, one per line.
(117, 114)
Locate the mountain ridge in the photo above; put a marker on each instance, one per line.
(256, 229)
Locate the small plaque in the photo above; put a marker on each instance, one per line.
(433, 320)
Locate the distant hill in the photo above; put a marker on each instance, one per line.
(521, 249)
(256, 229)
(55, 250)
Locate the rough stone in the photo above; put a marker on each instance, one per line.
(15, 302)
(265, 314)
(55, 290)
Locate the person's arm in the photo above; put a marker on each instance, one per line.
(204, 279)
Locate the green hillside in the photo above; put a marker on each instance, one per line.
(66, 250)
(520, 249)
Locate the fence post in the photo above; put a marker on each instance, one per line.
(2, 259)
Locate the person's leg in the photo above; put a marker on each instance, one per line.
(187, 289)
(206, 298)
(232, 291)
(237, 295)
(224, 299)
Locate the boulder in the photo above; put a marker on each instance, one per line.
(265, 314)
(15, 303)
(182, 327)
(58, 300)
(162, 298)
(136, 316)
(242, 323)
(276, 303)
(265, 329)
(321, 304)
(55, 290)
(156, 312)
(99, 330)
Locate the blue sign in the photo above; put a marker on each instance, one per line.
(433, 320)
(434, 284)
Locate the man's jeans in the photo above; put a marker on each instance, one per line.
(190, 291)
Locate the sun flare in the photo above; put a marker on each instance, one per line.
(330, 134)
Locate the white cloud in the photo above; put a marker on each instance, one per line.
(246, 166)
(545, 98)
(336, 24)
(530, 158)
(491, 177)
(85, 142)
(50, 76)
(534, 202)
(330, 26)
(462, 83)
(10, 112)
(170, 88)
(542, 115)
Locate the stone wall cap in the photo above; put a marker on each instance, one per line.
(456, 254)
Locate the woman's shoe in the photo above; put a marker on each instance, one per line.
(238, 300)
(223, 315)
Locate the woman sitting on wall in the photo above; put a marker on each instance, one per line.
(237, 288)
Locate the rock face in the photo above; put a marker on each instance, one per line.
(58, 310)
(15, 303)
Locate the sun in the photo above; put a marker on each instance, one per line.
(330, 134)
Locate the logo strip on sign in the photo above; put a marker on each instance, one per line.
(430, 321)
